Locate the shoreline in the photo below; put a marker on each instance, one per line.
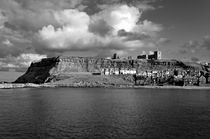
(50, 85)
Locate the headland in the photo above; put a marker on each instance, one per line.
(64, 71)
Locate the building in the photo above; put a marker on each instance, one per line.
(142, 56)
(156, 55)
(115, 56)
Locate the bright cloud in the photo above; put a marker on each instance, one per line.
(121, 17)
(72, 33)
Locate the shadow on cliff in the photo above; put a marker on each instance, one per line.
(38, 72)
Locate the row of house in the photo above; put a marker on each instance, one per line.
(117, 71)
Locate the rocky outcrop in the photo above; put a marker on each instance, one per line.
(38, 72)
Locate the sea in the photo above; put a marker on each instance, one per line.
(99, 113)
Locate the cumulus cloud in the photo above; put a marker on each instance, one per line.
(51, 26)
(72, 34)
(120, 17)
(107, 29)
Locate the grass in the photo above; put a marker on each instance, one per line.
(91, 80)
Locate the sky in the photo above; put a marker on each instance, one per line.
(35, 29)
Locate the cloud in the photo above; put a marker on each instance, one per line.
(149, 28)
(95, 6)
(109, 29)
(32, 15)
(120, 17)
(100, 27)
(52, 27)
(163, 41)
(72, 17)
(3, 19)
(7, 43)
(22, 61)
(72, 34)
(13, 43)
(25, 60)
(131, 36)
(194, 45)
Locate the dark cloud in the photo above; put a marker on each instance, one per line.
(100, 27)
(48, 4)
(94, 6)
(130, 36)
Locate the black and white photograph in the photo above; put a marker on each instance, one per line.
(104, 69)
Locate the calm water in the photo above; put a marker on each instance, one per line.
(104, 113)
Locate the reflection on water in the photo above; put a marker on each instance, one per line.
(104, 113)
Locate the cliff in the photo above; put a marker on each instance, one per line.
(61, 68)
(49, 68)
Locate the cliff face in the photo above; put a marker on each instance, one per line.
(38, 72)
(49, 68)
(53, 69)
